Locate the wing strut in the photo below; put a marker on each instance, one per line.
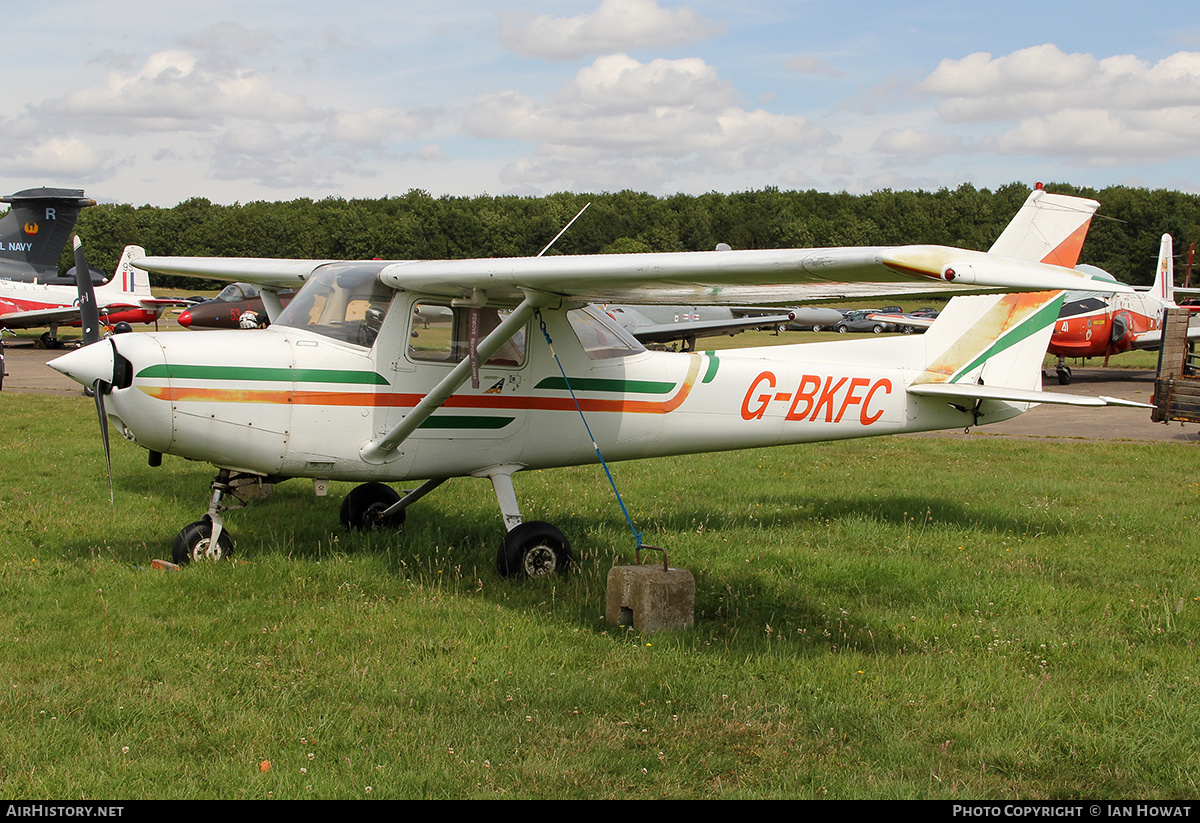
(379, 450)
(637, 536)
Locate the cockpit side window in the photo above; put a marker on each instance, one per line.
(601, 337)
(442, 334)
(345, 304)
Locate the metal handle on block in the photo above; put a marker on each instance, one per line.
(653, 549)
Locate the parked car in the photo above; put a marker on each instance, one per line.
(860, 320)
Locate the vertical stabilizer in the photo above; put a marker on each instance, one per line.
(1049, 228)
(128, 279)
(35, 231)
(1164, 279)
(996, 340)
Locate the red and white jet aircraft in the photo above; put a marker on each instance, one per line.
(125, 298)
(1101, 325)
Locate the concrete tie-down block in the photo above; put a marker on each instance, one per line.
(650, 598)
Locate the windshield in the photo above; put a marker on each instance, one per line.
(345, 302)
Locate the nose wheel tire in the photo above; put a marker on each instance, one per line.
(534, 549)
(194, 542)
(363, 507)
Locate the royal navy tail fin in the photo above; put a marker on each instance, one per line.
(35, 231)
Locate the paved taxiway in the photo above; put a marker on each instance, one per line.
(28, 372)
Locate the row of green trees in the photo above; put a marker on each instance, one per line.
(1123, 239)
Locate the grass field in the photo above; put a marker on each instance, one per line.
(906, 617)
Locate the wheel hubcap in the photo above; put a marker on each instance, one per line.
(539, 560)
(205, 549)
(373, 517)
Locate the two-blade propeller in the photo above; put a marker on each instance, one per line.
(89, 316)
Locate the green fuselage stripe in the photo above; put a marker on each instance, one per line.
(609, 385)
(171, 371)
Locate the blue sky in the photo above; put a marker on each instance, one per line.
(150, 102)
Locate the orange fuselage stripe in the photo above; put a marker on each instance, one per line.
(195, 394)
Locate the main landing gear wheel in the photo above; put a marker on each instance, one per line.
(534, 549)
(194, 542)
(363, 507)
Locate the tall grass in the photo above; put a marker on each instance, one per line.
(903, 617)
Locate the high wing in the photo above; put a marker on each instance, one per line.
(702, 278)
(1035, 252)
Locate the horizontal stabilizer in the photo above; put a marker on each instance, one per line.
(977, 391)
(1152, 340)
(666, 332)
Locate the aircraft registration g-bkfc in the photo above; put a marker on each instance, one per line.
(385, 372)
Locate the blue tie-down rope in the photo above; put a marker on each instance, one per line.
(575, 400)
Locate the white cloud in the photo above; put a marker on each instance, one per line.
(668, 107)
(615, 25)
(379, 126)
(631, 124)
(1095, 111)
(617, 82)
(1104, 138)
(1042, 80)
(915, 141)
(170, 91)
(238, 122)
(56, 158)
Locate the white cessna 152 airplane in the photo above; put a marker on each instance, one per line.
(384, 372)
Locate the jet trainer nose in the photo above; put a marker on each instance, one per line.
(185, 319)
(88, 364)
